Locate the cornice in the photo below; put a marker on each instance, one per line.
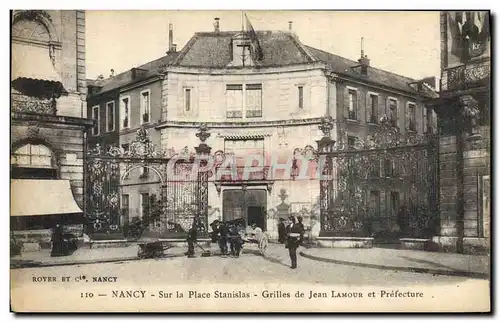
(228, 125)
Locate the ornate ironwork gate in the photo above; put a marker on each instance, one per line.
(180, 192)
(385, 186)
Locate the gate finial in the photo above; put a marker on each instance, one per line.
(326, 125)
(203, 133)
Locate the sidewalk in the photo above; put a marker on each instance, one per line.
(476, 266)
(84, 255)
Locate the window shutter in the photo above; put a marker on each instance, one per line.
(424, 120)
(381, 107)
(359, 107)
(407, 117)
(398, 113)
(346, 103)
(368, 109)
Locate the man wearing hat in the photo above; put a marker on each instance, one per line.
(302, 229)
(294, 231)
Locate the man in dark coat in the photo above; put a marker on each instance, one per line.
(191, 240)
(57, 241)
(302, 228)
(235, 240)
(294, 232)
(281, 231)
(223, 237)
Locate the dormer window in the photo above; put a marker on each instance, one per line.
(241, 51)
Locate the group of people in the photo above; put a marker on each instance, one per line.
(292, 235)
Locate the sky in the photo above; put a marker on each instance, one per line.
(406, 43)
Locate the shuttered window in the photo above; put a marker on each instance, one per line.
(253, 100)
(234, 101)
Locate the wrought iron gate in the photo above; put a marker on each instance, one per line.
(180, 193)
(385, 186)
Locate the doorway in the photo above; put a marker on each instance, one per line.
(250, 205)
(256, 215)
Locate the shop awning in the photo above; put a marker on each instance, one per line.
(42, 197)
(32, 69)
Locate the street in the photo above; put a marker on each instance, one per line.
(248, 268)
(233, 284)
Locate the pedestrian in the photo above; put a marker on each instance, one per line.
(191, 240)
(281, 231)
(293, 240)
(215, 231)
(57, 241)
(223, 238)
(235, 240)
(302, 229)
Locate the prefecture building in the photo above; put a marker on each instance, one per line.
(263, 93)
(48, 122)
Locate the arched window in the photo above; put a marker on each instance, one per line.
(33, 161)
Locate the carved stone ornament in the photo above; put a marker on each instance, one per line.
(470, 113)
(203, 133)
(33, 131)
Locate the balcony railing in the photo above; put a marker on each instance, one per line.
(240, 174)
(27, 104)
(467, 76)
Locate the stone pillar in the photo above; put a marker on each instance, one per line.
(203, 151)
(463, 161)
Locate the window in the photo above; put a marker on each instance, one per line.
(234, 103)
(144, 204)
(125, 205)
(126, 147)
(33, 161)
(388, 168)
(394, 202)
(353, 102)
(393, 111)
(32, 156)
(253, 100)
(145, 107)
(301, 97)
(110, 116)
(95, 117)
(427, 120)
(144, 172)
(125, 112)
(375, 168)
(373, 109)
(375, 202)
(187, 100)
(351, 141)
(243, 101)
(412, 126)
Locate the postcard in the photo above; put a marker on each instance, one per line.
(250, 161)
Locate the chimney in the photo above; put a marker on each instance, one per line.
(290, 24)
(216, 25)
(170, 37)
(364, 62)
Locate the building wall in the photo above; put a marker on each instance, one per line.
(104, 138)
(64, 132)
(279, 95)
(361, 128)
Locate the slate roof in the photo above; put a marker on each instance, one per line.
(214, 50)
(280, 48)
(125, 78)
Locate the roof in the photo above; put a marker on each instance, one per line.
(343, 66)
(280, 48)
(125, 78)
(213, 50)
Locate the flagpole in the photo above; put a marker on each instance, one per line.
(243, 38)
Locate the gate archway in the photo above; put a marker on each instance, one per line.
(166, 203)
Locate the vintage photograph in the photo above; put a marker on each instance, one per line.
(250, 161)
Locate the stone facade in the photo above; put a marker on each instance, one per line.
(464, 127)
(58, 47)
